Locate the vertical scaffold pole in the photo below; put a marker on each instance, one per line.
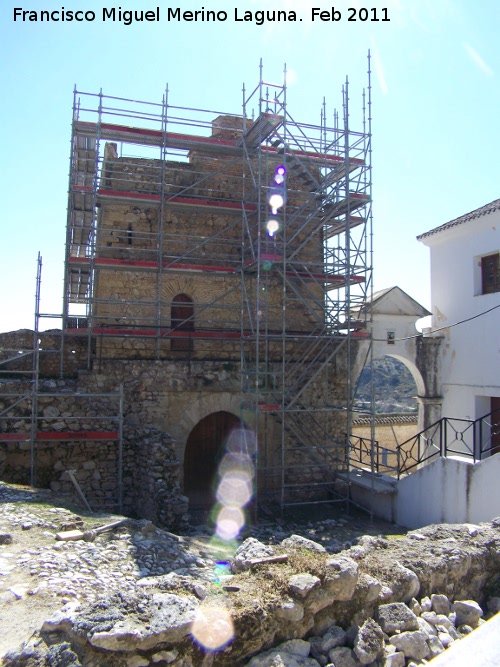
(36, 370)
(93, 233)
(120, 449)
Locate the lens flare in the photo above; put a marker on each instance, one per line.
(276, 201)
(242, 441)
(272, 226)
(235, 489)
(230, 521)
(234, 462)
(212, 627)
(222, 569)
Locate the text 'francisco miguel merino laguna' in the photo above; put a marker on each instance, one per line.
(127, 17)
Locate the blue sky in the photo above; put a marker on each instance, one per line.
(436, 102)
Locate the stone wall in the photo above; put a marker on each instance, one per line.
(384, 603)
(18, 343)
(141, 474)
(170, 396)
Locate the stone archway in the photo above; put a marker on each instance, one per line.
(205, 448)
(392, 381)
(394, 315)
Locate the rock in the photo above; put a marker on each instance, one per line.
(137, 661)
(293, 653)
(299, 542)
(320, 646)
(296, 647)
(395, 660)
(341, 578)
(319, 599)
(427, 628)
(412, 644)
(444, 622)
(468, 612)
(445, 638)
(6, 538)
(440, 604)
(494, 605)
(369, 587)
(369, 642)
(167, 618)
(290, 610)
(430, 617)
(435, 645)
(62, 655)
(51, 412)
(335, 636)
(250, 549)
(164, 656)
(59, 622)
(415, 606)
(303, 584)
(405, 583)
(343, 657)
(426, 604)
(396, 617)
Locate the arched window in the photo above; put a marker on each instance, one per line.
(182, 323)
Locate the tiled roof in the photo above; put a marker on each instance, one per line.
(477, 213)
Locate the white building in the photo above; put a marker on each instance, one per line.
(450, 472)
(465, 287)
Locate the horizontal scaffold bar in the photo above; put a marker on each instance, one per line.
(150, 137)
(113, 263)
(177, 201)
(60, 435)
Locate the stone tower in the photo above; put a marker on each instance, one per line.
(211, 320)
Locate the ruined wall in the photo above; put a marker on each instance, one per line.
(142, 473)
(18, 342)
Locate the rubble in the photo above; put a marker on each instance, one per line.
(134, 596)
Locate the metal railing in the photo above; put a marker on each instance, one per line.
(470, 439)
(370, 455)
(466, 438)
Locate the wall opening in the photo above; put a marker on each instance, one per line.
(396, 409)
(205, 448)
(395, 388)
(182, 321)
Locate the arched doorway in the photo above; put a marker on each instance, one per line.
(182, 320)
(397, 383)
(204, 450)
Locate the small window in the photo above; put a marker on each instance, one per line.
(391, 337)
(182, 323)
(490, 274)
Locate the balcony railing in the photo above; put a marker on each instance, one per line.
(473, 440)
(468, 439)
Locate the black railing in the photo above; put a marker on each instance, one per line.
(470, 439)
(370, 455)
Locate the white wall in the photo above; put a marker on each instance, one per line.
(449, 491)
(470, 351)
(403, 326)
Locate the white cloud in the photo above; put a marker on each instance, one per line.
(379, 69)
(478, 60)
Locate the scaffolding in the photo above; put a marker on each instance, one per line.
(161, 197)
(26, 422)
